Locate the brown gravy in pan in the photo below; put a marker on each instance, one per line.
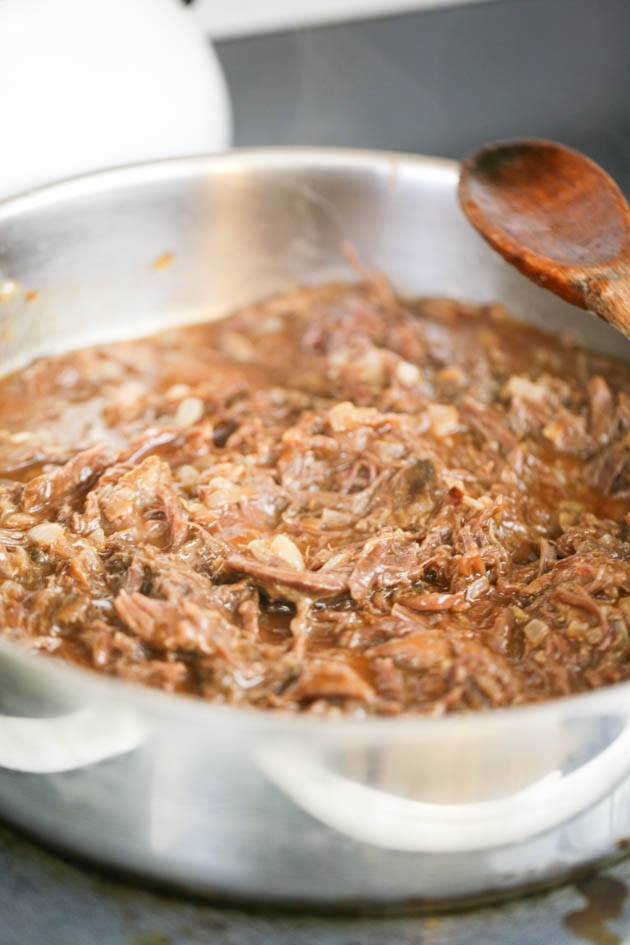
(335, 501)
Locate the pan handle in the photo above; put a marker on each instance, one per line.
(49, 724)
(68, 742)
(364, 812)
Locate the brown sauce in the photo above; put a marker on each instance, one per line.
(333, 501)
(605, 898)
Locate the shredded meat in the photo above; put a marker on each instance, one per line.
(334, 501)
(320, 585)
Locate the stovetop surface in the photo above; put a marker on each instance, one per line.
(46, 900)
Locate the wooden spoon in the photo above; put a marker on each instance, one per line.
(558, 217)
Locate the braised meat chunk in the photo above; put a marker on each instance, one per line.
(335, 501)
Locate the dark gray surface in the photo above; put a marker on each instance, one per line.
(47, 901)
(443, 81)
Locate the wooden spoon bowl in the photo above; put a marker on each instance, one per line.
(558, 217)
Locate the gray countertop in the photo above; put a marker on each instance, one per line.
(45, 900)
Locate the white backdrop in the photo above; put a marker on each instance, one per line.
(226, 18)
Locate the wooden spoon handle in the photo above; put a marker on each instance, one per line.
(606, 293)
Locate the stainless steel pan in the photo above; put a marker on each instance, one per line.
(237, 803)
